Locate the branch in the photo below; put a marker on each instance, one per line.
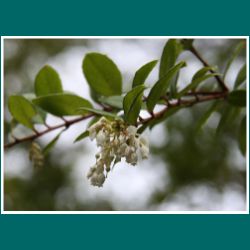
(219, 80)
(185, 103)
(199, 97)
(66, 124)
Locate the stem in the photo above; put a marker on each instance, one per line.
(204, 96)
(219, 80)
(185, 103)
(66, 124)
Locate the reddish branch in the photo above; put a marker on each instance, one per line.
(219, 80)
(198, 97)
(66, 124)
(202, 97)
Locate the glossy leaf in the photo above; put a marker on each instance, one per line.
(160, 88)
(243, 136)
(241, 77)
(62, 104)
(237, 98)
(113, 101)
(132, 104)
(82, 136)
(22, 110)
(169, 56)
(102, 74)
(97, 111)
(47, 82)
(234, 55)
(40, 117)
(142, 73)
(52, 143)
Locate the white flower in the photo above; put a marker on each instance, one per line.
(100, 138)
(115, 144)
(144, 151)
(132, 130)
(97, 179)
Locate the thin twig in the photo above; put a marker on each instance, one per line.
(184, 103)
(219, 80)
(66, 124)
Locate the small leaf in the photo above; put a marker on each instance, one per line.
(82, 136)
(22, 110)
(113, 101)
(47, 82)
(201, 72)
(142, 73)
(235, 53)
(62, 104)
(98, 112)
(160, 88)
(194, 84)
(241, 77)
(142, 128)
(132, 104)
(243, 136)
(102, 74)
(226, 119)
(52, 143)
(169, 56)
(237, 98)
(206, 116)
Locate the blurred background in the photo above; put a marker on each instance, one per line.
(186, 170)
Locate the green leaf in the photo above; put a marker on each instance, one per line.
(142, 128)
(142, 73)
(102, 74)
(226, 119)
(52, 143)
(169, 56)
(201, 72)
(62, 104)
(187, 43)
(82, 136)
(243, 136)
(132, 104)
(237, 98)
(235, 53)
(22, 110)
(40, 117)
(113, 101)
(47, 82)
(160, 88)
(98, 112)
(206, 116)
(241, 77)
(195, 82)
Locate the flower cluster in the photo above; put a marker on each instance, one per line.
(117, 141)
(36, 155)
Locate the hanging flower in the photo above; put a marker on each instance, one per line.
(117, 141)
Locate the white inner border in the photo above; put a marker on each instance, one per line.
(119, 212)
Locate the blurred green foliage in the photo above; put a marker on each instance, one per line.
(190, 157)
